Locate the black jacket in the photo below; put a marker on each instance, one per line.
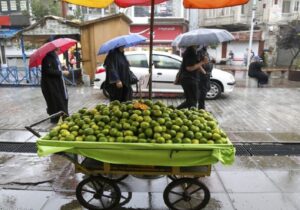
(52, 85)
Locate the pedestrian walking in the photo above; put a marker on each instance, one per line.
(189, 77)
(230, 57)
(119, 78)
(53, 85)
(256, 72)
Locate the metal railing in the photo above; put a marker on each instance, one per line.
(12, 75)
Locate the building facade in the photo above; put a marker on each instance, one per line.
(269, 16)
(171, 19)
(14, 15)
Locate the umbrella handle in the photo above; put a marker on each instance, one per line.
(34, 132)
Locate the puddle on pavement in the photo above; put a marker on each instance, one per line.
(240, 163)
(29, 168)
(276, 162)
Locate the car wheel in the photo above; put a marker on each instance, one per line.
(105, 93)
(215, 90)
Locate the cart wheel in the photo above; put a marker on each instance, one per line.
(186, 194)
(114, 177)
(125, 198)
(96, 193)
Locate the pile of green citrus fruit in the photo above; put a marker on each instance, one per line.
(140, 121)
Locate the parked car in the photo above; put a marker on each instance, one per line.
(166, 66)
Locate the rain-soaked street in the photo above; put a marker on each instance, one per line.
(248, 115)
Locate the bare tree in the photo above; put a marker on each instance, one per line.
(289, 39)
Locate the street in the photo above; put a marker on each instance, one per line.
(249, 115)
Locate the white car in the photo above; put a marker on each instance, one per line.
(166, 66)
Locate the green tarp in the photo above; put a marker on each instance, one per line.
(143, 153)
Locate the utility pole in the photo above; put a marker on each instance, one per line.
(251, 38)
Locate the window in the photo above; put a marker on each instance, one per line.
(296, 7)
(23, 5)
(4, 6)
(13, 5)
(141, 12)
(286, 7)
(137, 60)
(211, 13)
(165, 62)
(243, 9)
(168, 8)
(221, 12)
(276, 2)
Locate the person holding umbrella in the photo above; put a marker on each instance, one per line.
(53, 85)
(190, 67)
(118, 76)
(52, 81)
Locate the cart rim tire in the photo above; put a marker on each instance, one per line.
(125, 198)
(96, 193)
(186, 194)
(114, 177)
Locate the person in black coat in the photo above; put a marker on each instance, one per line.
(118, 76)
(204, 82)
(189, 77)
(53, 85)
(256, 72)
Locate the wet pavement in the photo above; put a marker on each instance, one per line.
(254, 115)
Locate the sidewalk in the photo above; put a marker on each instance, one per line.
(247, 114)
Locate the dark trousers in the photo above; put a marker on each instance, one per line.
(190, 88)
(204, 87)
